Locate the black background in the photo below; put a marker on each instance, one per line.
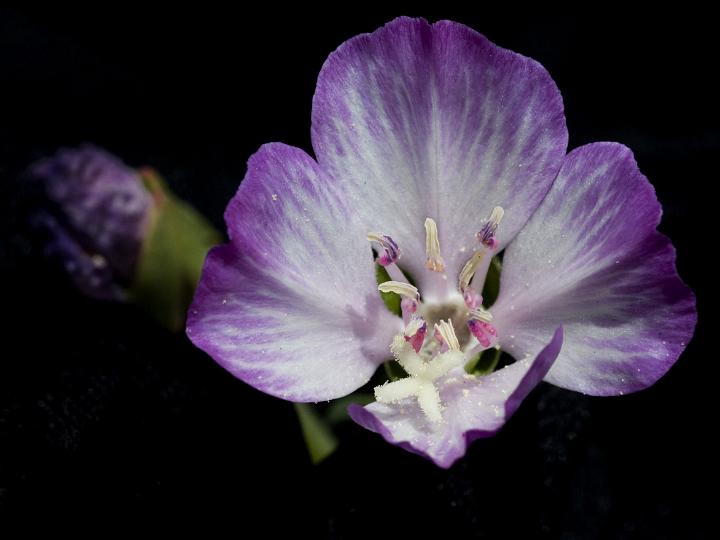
(105, 418)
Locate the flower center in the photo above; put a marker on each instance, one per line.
(461, 328)
(453, 310)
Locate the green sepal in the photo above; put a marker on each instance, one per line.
(319, 438)
(491, 289)
(317, 421)
(172, 255)
(484, 363)
(337, 410)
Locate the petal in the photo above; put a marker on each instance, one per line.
(435, 121)
(475, 407)
(290, 306)
(591, 260)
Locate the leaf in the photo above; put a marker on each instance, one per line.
(318, 436)
(172, 256)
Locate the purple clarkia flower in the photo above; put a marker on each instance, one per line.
(443, 150)
(97, 216)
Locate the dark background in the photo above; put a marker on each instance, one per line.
(106, 418)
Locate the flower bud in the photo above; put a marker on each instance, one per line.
(95, 217)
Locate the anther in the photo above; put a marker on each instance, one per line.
(390, 250)
(445, 331)
(415, 333)
(480, 327)
(487, 233)
(481, 314)
(468, 271)
(398, 287)
(434, 260)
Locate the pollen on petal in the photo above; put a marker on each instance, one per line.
(434, 260)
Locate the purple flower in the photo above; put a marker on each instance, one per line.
(442, 150)
(96, 219)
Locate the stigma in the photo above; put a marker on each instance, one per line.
(423, 374)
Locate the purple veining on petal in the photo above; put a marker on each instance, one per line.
(432, 124)
(591, 259)
(423, 120)
(290, 306)
(476, 407)
(101, 208)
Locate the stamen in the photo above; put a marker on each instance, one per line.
(487, 233)
(415, 333)
(468, 271)
(391, 251)
(481, 315)
(428, 363)
(434, 260)
(472, 298)
(447, 332)
(408, 307)
(480, 327)
(398, 287)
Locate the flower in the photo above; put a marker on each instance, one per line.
(96, 219)
(443, 150)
